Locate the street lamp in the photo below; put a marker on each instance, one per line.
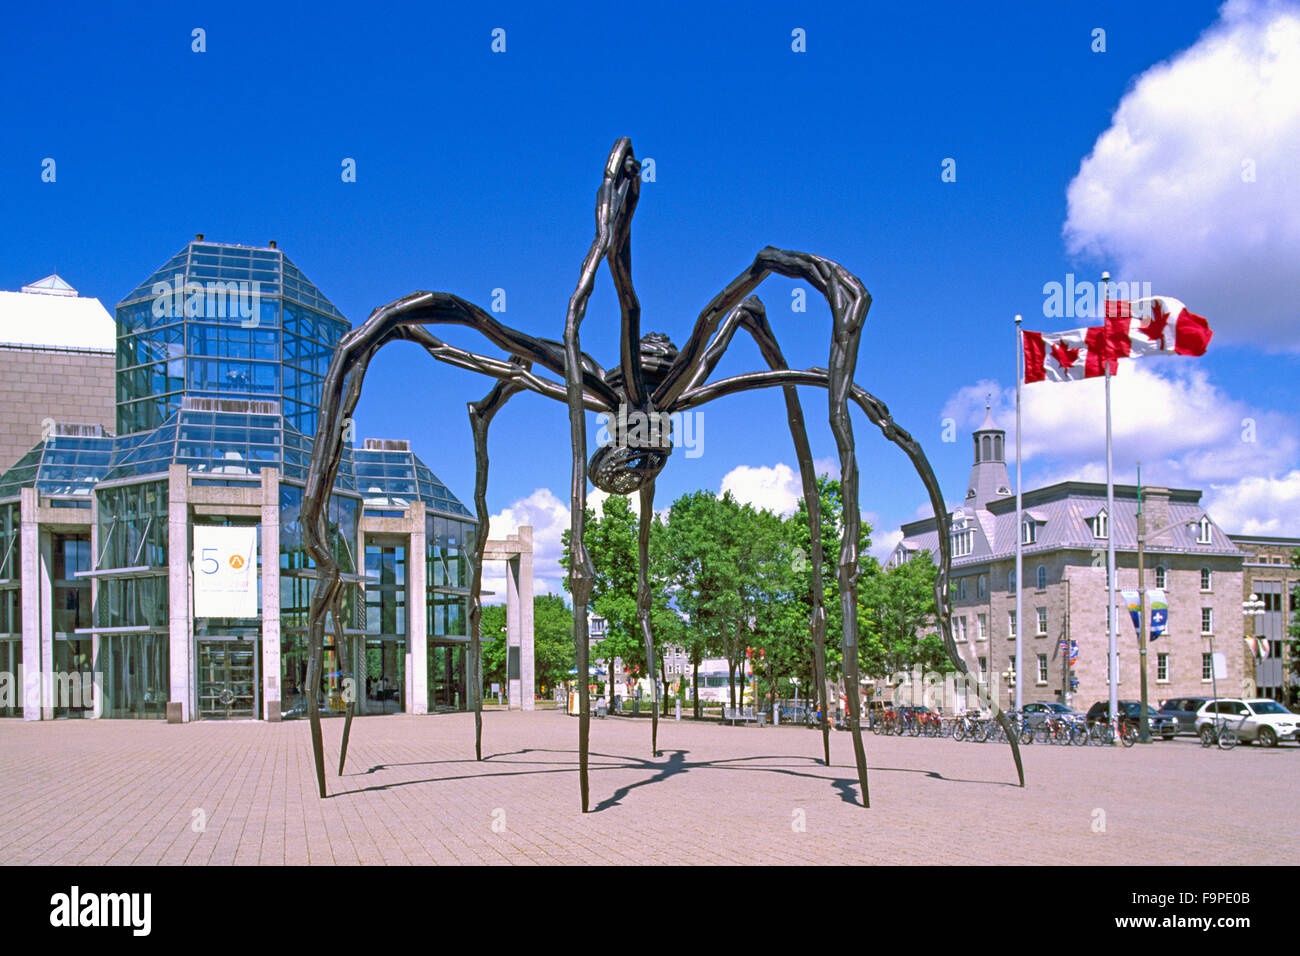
(1144, 730)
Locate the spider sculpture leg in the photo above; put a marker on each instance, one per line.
(613, 210)
(400, 320)
(751, 316)
(643, 604)
(480, 417)
(879, 415)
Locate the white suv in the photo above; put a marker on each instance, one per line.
(1250, 719)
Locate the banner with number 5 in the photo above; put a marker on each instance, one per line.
(225, 572)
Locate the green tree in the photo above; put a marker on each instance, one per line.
(553, 655)
(898, 613)
(612, 542)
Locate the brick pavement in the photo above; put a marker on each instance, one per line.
(130, 792)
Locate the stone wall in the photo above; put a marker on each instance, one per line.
(67, 385)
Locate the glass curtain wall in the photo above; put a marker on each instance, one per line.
(385, 626)
(134, 660)
(295, 600)
(11, 612)
(72, 651)
(449, 548)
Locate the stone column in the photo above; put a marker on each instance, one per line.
(29, 582)
(180, 623)
(47, 626)
(417, 619)
(524, 592)
(513, 631)
(270, 594)
(97, 680)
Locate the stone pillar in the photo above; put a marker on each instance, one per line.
(45, 571)
(29, 582)
(513, 650)
(417, 618)
(524, 592)
(180, 623)
(270, 594)
(97, 680)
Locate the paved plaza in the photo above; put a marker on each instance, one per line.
(144, 792)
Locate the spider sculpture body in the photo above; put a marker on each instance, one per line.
(652, 380)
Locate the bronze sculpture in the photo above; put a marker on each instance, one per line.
(655, 380)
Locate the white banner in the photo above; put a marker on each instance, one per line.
(225, 571)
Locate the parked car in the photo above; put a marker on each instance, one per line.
(1038, 712)
(1250, 718)
(1182, 711)
(1132, 710)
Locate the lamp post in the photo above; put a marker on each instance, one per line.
(1144, 729)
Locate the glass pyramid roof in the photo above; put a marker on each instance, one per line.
(390, 478)
(207, 261)
(61, 465)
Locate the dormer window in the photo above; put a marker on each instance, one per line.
(1203, 530)
(963, 543)
(1100, 524)
(1029, 531)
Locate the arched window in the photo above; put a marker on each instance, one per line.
(997, 447)
(1101, 525)
(982, 586)
(986, 448)
(1160, 576)
(1042, 577)
(1011, 580)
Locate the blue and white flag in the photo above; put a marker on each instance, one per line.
(1159, 605)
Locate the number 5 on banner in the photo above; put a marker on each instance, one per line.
(216, 566)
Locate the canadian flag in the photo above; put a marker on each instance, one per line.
(1066, 356)
(1156, 325)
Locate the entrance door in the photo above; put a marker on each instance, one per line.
(385, 675)
(73, 677)
(228, 680)
(446, 678)
(11, 657)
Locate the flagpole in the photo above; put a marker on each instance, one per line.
(1110, 537)
(1020, 531)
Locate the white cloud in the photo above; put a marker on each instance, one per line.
(1258, 505)
(1168, 414)
(549, 517)
(776, 488)
(1164, 196)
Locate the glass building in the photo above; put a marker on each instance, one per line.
(221, 353)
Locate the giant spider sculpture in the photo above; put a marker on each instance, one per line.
(655, 379)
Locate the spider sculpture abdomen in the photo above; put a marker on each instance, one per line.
(640, 439)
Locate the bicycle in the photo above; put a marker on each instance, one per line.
(1221, 734)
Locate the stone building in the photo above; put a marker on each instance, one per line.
(1268, 574)
(1065, 535)
(56, 352)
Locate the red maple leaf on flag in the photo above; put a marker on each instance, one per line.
(1155, 329)
(1064, 357)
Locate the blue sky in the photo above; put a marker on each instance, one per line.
(478, 171)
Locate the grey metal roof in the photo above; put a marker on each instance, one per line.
(1065, 510)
